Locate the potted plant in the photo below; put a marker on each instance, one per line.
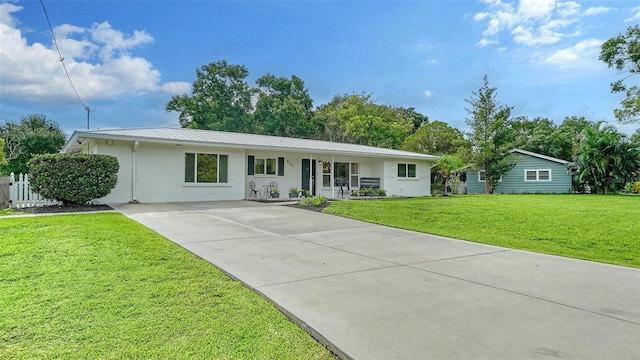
(294, 192)
(275, 193)
(307, 193)
(368, 191)
(381, 192)
(354, 192)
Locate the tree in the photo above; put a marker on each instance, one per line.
(284, 107)
(446, 165)
(438, 138)
(623, 53)
(3, 157)
(606, 160)
(535, 135)
(356, 119)
(635, 138)
(490, 136)
(220, 99)
(33, 135)
(567, 137)
(417, 118)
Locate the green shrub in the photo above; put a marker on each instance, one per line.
(315, 201)
(74, 179)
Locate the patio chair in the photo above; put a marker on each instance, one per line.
(254, 193)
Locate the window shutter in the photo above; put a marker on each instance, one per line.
(280, 166)
(250, 162)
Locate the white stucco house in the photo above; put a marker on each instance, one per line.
(176, 164)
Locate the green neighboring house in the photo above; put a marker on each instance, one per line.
(533, 173)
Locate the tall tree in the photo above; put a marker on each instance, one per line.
(535, 135)
(567, 137)
(33, 135)
(606, 159)
(3, 157)
(220, 99)
(418, 119)
(284, 107)
(357, 119)
(438, 138)
(623, 53)
(491, 136)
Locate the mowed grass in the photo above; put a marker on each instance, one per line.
(592, 227)
(101, 286)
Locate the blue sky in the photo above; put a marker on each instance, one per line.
(127, 58)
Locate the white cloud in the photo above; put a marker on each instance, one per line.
(176, 88)
(432, 61)
(597, 10)
(532, 22)
(485, 42)
(480, 16)
(535, 9)
(98, 59)
(635, 17)
(579, 55)
(428, 93)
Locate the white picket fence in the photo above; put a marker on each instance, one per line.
(21, 195)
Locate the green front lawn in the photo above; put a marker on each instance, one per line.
(103, 286)
(591, 227)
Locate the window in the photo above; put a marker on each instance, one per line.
(407, 170)
(205, 168)
(326, 173)
(344, 174)
(537, 175)
(265, 166)
(354, 175)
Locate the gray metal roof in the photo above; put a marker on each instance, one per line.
(531, 153)
(238, 140)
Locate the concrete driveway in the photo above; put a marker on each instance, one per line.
(373, 292)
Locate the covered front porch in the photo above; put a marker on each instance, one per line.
(332, 176)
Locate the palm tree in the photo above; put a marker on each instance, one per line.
(446, 165)
(606, 160)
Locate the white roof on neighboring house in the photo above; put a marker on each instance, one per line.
(237, 140)
(525, 152)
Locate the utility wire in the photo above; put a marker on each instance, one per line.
(55, 42)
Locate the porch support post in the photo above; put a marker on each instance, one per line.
(134, 167)
(333, 171)
(311, 184)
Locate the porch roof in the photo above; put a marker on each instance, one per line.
(237, 140)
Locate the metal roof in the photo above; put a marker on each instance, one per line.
(238, 140)
(530, 153)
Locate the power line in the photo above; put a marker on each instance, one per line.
(55, 42)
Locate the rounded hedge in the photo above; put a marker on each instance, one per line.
(74, 179)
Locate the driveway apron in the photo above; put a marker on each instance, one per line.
(374, 292)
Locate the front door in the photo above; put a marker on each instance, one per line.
(308, 178)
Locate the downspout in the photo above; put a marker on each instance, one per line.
(134, 167)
